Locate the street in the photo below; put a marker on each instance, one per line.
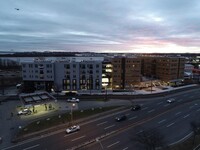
(173, 120)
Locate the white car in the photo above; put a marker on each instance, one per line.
(72, 129)
(25, 111)
(73, 100)
(171, 100)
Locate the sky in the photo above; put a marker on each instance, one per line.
(129, 26)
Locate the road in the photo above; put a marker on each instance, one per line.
(173, 120)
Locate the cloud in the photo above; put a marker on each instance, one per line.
(100, 25)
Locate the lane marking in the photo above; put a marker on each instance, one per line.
(125, 148)
(186, 116)
(31, 147)
(132, 118)
(177, 113)
(70, 134)
(112, 144)
(140, 132)
(144, 108)
(191, 107)
(162, 121)
(151, 110)
(159, 103)
(166, 105)
(170, 125)
(109, 127)
(179, 100)
(102, 123)
(78, 138)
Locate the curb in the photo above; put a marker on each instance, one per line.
(58, 127)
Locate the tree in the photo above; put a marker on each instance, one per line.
(150, 139)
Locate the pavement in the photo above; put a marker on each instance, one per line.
(10, 121)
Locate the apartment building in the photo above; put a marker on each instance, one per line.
(107, 74)
(164, 68)
(126, 72)
(38, 74)
(70, 74)
(97, 73)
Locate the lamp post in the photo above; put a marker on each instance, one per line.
(100, 143)
(72, 106)
(105, 86)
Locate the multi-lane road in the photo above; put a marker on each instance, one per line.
(172, 120)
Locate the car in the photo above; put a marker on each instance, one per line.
(73, 100)
(135, 107)
(73, 129)
(24, 111)
(121, 118)
(171, 100)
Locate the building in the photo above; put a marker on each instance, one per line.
(92, 74)
(168, 69)
(38, 74)
(107, 74)
(126, 72)
(70, 74)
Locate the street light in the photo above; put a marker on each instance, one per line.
(72, 106)
(105, 86)
(97, 139)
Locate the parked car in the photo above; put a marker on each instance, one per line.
(135, 107)
(72, 129)
(73, 100)
(24, 111)
(121, 118)
(171, 100)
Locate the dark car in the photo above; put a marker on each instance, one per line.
(135, 107)
(120, 118)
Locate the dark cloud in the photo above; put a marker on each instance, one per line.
(100, 25)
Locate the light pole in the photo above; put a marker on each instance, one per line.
(100, 143)
(72, 106)
(105, 86)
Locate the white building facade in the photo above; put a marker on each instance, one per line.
(69, 74)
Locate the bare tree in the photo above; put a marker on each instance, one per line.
(150, 139)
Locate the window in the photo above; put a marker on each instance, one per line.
(30, 65)
(74, 81)
(67, 66)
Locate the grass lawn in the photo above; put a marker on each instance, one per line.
(61, 119)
